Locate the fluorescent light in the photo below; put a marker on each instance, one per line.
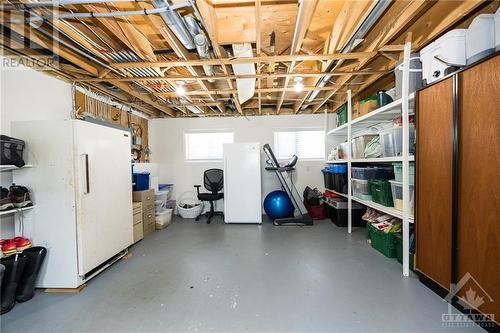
(180, 90)
(299, 86)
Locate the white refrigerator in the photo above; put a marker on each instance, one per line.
(81, 188)
(242, 183)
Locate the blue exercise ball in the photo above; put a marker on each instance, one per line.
(278, 205)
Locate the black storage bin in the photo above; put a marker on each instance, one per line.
(336, 210)
(340, 177)
(11, 151)
(328, 179)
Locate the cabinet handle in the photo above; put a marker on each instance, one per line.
(87, 176)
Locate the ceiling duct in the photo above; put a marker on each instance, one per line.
(176, 24)
(355, 40)
(246, 87)
(188, 31)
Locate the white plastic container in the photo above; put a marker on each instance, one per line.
(397, 195)
(497, 30)
(360, 189)
(162, 195)
(480, 38)
(392, 141)
(440, 56)
(163, 218)
(359, 145)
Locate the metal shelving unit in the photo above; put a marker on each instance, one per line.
(15, 210)
(365, 125)
(5, 168)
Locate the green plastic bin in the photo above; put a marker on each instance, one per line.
(380, 190)
(398, 172)
(398, 243)
(342, 115)
(381, 241)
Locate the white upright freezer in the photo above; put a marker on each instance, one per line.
(81, 187)
(242, 183)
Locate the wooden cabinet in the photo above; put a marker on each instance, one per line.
(434, 181)
(457, 198)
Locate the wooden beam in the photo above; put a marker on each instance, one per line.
(145, 98)
(392, 28)
(210, 20)
(233, 91)
(258, 47)
(343, 29)
(230, 77)
(233, 61)
(43, 41)
(304, 17)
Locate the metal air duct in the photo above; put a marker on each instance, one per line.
(176, 24)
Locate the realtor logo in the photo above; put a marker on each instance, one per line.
(471, 297)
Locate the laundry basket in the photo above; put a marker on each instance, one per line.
(194, 206)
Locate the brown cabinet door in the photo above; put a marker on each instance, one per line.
(434, 182)
(478, 224)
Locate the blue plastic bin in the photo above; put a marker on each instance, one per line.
(141, 180)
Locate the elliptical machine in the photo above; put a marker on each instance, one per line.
(301, 216)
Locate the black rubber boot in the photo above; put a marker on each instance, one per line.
(34, 260)
(14, 266)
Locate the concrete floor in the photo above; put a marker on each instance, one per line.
(233, 278)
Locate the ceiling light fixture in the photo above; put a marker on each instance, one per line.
(180, 90)
(299, 86)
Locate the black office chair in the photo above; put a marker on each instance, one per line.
(213, 180)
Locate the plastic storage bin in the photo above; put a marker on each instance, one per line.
(339, 174)
(480, 38)
(398, 172)
(398, 244)
(359, 144)
(392, 141)
(397, 195)
(337, 212)
(442, 56)
(360, 189)
(141, 180)
(415, 75)
(163, 218)
(328, 178)
(381, 192)
(383, 98)
(381, 241)
(344, 150)
(366, 173)
(342, 115)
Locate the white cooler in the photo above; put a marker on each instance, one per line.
(480, 38)
(447, 51)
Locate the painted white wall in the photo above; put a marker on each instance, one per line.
(166, 140)
(26, 94)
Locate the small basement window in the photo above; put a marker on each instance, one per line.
(306, 144)
(201, 146)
